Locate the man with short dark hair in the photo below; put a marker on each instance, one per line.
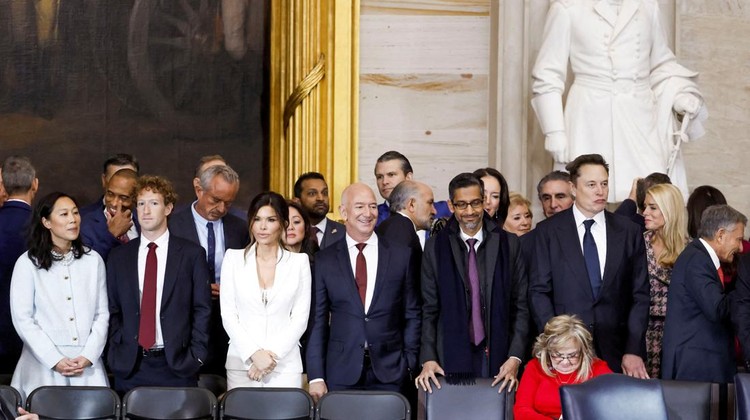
(116, 223)
(592, 263)
(391, 168)
(698, 336)
(21, 184)
(110, 166)
(475, 315)
(207, 222)
(159, 299)
(311, 192)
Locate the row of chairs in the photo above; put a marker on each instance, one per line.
(163, 403)
(606, 397)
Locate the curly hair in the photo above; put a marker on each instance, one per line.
(157, 184)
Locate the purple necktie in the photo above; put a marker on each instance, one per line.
(476, 328)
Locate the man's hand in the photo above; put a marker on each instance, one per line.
(634, 189)
(429, 369)
(119, 223)
(632, 365)
(317, 390)
(508, 374)
(25, 415)
(215, 287)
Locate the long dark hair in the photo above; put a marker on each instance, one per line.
(309, 245)
(502, 210)
(40, 238)
(279, 206)
(702, 198)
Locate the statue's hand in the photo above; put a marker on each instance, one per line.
(686, 103)
(556, 143)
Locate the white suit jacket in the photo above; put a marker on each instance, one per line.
(250, 324)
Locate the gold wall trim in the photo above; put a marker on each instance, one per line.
(320, 133)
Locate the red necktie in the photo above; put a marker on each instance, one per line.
(721, 277)
(360, 273)
(147, 326)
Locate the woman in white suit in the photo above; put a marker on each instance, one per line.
(265, 301)
(58, 302)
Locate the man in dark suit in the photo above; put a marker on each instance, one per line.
(159, 299)
(110, 166)
(311, 192)
(698, 336)
(114, 223)
(20, 182)
(475, 315)
(592, 263)
(412, 203)
(366, 324)
(208, 223)
(391, 168)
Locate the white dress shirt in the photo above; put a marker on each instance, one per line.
(598, 231)
(711, 253)
(321, 229)
(371, 257)
(162, 244)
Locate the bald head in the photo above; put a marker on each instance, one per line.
(359, 210)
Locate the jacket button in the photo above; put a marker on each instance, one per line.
(367, 319)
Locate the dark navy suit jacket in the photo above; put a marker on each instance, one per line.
(559, 284)
(185, 307)
(441, 207)
(698, 337)
(391, 326)
(94, 231)
(236, 233)
(14, 220)
(335, 231)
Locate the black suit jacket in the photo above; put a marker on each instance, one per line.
(236, 232)
(488, 255)
(14, 220)
(698, 338)
(185, 307)
(741, 305)
(559, 284)
(340, 327)
(399, 229)
(335, 231)
(95, 232)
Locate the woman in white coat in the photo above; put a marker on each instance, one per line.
(265, 301)
(58, 302)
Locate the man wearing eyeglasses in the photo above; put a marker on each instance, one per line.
(475, 315)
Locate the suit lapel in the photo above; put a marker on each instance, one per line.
(131, 280)
(615, 241)
(603, 9)
(460, 255)
(383, 261)
(629, 8)
(491, 257)
(174, 255)
(347, 277)
(571, 248)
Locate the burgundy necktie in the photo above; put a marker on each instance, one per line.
(312, 231)
(476, 327)
(147, 326)
(360, 273)
(720, 271)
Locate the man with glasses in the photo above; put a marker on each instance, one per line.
(475, 315)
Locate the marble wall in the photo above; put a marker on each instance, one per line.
(446, 83)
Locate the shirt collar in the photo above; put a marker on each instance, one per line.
(200, 219)
(160, 242)
(479, 236)
(408, 218)
(580, 217)
(711, 253)
(322, 224)
(371, 241)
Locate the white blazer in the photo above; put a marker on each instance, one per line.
(250, 324)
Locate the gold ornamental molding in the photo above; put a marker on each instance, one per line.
(314, 93)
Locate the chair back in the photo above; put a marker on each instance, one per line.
(363, 405)
(10, 399)
(687, 400)
(478, 401)
(214, 383)
(74, 402)
(169, 403)
(614, 397)
(267, 404)
(742, 396)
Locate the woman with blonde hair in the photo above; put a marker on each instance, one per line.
(564, 356)
(665, 237)
(265, 301)
(519, 216)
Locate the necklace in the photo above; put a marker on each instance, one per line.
(571, 379)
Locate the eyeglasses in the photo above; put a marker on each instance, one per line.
(571, 358)
(462, 205)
